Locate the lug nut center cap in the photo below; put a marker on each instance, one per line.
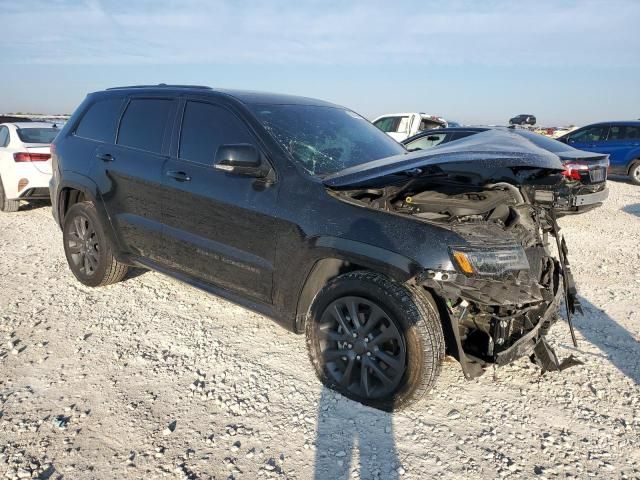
(360, 347)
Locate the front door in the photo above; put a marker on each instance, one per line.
(218, 226)
(591, 139)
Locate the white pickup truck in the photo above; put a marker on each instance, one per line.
(404, 125)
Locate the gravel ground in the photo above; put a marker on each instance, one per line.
(151, 378)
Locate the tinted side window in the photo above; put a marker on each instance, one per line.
(632, 132)
(100, 121)
(204, 128)
(143, 124)
(616, 132)
(4, 136)
(459, 135)
(393, 124)
(427, 141)
(591, 134)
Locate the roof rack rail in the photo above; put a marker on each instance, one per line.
(164, 85)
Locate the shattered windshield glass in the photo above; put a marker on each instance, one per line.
(325, 140)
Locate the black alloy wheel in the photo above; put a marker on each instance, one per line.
(82, 245)
(88, 249)
(363, 349)
(375, 340)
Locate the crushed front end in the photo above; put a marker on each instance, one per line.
(508, 273)
(507, 288)
(502, 313)
(504, 285)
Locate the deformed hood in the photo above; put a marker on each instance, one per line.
(490, 150)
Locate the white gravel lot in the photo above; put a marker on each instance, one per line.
(151, 378)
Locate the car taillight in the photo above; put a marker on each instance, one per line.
(572, 170)
(31, 157)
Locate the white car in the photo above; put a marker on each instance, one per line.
(400, 126)
(25, 162)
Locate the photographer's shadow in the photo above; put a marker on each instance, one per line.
(353, 437)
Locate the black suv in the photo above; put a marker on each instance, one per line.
(304, 211)
(523, 119)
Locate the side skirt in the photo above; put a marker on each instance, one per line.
(261, 308)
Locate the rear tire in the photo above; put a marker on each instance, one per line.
(634, 173)
(391, 356)
(87, 248)
(7, 205)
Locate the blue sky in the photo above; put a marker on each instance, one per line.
(472, 61)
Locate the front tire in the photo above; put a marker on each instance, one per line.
(87, 248)
(634, 173)
(7, 205)
(374, 340)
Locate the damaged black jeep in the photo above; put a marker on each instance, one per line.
(304, 211)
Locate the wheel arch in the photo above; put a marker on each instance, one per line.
(73, 190)
(356, 256)
(80, 189)
(634, 159)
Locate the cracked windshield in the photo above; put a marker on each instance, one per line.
(325, 140)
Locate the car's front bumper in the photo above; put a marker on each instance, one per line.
(523, 311)
(527, 343)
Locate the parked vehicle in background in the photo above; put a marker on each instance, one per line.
(619, 140)
(13, 118)
(562, 131)
(304, 211)
(403, 125)
(25, 162)
(523, 119)
(431, 138)
(584, 186)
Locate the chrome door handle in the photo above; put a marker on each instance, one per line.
(178, 176)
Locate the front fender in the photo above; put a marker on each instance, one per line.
(395, 265)
(333, 256)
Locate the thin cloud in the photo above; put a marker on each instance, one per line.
(500, 33)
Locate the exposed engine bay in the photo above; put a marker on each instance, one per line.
(507, 286)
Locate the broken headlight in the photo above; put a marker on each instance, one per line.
(494, 261)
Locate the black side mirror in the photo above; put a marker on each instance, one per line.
(241, 159)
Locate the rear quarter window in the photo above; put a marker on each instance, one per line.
(632, 132)
(100, 120)
(144, 122)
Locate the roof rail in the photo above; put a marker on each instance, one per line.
(164, 85)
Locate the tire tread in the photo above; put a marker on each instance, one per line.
(114, 270)
(420, 311)
(6, 205)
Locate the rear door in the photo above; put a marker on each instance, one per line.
(622, 139)
(130, 173)
(218, 227)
